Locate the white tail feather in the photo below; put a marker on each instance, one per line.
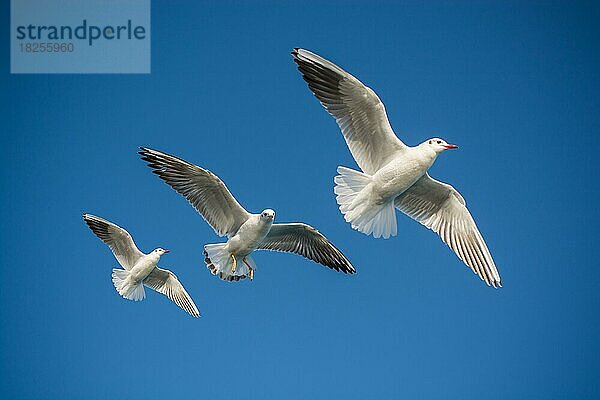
(126, 287)
(219, 261)
(379, 220)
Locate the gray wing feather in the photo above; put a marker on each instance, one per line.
(306, 241)
(439, 207)
(356, 108)
(165, 282)
(116, 238)
(203, 189)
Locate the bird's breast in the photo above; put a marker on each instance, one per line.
(142, 269)
(399, 175)
(249, 236)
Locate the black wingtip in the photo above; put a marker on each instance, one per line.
(144, 150)
(88, 217)
(296, 55)
(146, 155)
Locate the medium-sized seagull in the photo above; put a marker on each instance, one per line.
(246, 232)
(139, 269)
(393, 175)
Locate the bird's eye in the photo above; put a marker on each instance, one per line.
(430, 142)
(439, 142)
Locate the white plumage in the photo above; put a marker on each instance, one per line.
(246, 232)
(139, 269)
(394, 174)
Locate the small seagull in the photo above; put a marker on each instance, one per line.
(246, 232)
(140, 269)
(393, 175)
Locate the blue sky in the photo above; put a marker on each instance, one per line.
(514, 84)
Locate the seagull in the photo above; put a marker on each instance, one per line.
(139, 269)
(393, 175)
(246, 232)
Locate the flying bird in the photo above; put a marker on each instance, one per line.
(139, 269)
(394, 175)
(246, 232)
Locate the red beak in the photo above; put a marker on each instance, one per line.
(167, 251)
(451, 146)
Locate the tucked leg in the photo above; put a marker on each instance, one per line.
(234, 266)
(250, 270)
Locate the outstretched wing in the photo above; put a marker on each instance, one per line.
(356, 108)
(165, 282)
(116, 238)
(306, 241)
(439, 207)
(203, 189)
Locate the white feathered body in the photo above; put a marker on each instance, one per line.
(367, 201)
(401, 173)
(143, 267)
(129, 284)
(249, 236)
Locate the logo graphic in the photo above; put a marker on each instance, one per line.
(80, 36)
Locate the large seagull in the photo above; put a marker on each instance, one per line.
(139, 269)
(246, 232)
(393, 175)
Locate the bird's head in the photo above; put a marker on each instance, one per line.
(438, 145)
(267, 215)
(160, 251)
